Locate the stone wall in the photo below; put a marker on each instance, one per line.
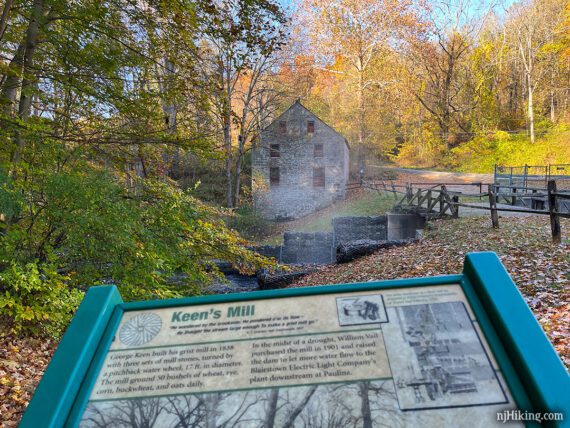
(307, 248)
(348, 229)
(320, 247)
(403, 226)
(295, 196)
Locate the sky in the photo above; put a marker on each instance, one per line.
(500, 5)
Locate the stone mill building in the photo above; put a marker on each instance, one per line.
(299, 165)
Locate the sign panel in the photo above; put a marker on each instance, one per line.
(395, 357)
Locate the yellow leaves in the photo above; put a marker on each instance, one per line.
(22, 362)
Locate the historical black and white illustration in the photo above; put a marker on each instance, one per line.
(339, 405)
(335, 405)
(437, 358)
(357, 310)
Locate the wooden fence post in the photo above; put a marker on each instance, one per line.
(554, 219)
(394, 191)
(442, 200)
(455, 208)
(493, 206)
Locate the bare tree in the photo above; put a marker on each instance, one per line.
(534, 25)
(453, 25)
(271, 409)
(294, 413)
(240, 42)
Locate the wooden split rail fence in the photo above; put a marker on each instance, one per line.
(438, 201)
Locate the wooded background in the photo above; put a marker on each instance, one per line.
(126, 125)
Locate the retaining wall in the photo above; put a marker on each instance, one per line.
(320, 247)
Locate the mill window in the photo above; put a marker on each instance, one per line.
(319, 177)
(274, 176)
(311, 127)
(274, 151)
(282, 126)
(318, 150)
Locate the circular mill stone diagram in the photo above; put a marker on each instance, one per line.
(140, 329)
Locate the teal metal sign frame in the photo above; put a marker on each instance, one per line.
(538, 380)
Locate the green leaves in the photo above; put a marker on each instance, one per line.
(36, 299)
(82, 228)
(119, 91)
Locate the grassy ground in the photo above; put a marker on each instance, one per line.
(359, 203)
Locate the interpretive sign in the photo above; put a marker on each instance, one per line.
(423, 352)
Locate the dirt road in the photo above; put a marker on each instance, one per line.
(424, 175)
(461, 182)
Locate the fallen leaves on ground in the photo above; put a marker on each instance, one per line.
(22, 364)
(540, 268)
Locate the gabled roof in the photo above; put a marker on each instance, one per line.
(298, 101)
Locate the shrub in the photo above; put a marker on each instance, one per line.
(73, 229)
(36, 299)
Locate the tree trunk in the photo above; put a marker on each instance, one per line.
(170, 111)
(4, 17)
(12, 81)
(212, 402)
(445, 123)
(227, 134)
(361, 108)
(552, 107)
(237, 181)
(28, 79)
(297, 410)
(271, 409)
(239, 156)
(365, 405)
(530, 107)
